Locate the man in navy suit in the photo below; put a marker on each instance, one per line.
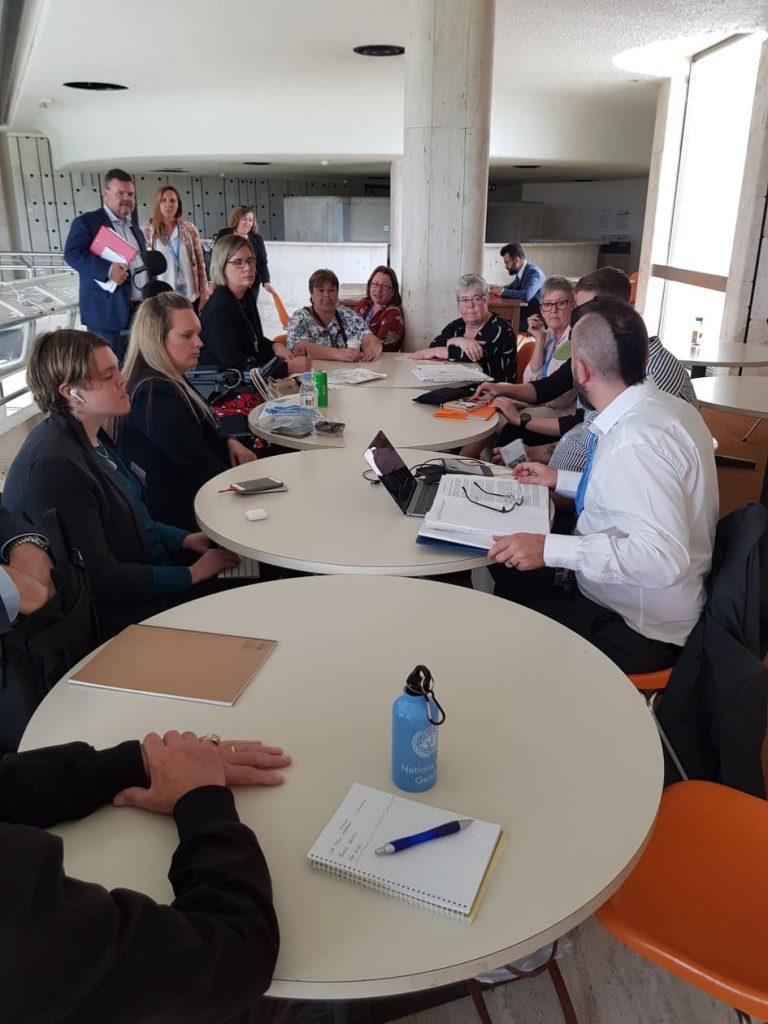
(528, 279)
(109, 292)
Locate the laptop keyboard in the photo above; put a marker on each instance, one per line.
(426, 497)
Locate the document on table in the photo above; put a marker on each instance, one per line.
(468, 510)
(449, 373)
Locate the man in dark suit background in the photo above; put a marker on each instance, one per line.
(528, 279)
(109, 292)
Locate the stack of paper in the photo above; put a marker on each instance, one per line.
(449, 373)
(468, 511)
(359, 375)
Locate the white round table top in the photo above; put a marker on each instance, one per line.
(746, 396)
(397, 366)
(331, 520)
(406, 423)
(720, 354)
(543, 734)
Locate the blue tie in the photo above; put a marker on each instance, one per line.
(581, 490)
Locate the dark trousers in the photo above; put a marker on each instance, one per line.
(605, 629)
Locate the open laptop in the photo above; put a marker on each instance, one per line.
(413, 496)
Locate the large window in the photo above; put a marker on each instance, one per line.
(714, 145)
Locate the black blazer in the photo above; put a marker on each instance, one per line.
(177, 447)
(11, 526)
(232, 333)
(57, 467)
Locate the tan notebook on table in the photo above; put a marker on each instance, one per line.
(180, 663)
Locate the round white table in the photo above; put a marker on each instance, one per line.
(331, 520)
(397, 366)
(698, 357)
(745, 396)
(543, 735)
(406, 423)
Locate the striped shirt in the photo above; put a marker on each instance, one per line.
(669, 375)
(499, 358)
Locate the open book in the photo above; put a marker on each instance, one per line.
(445, 875)
(468, 510)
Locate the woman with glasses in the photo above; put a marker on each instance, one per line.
(550, 329)
(230, 323)
(382, 309)
(477, 336)
(242, 222)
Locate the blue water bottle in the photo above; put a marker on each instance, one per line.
(416, 715)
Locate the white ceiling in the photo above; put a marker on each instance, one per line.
(213, 85)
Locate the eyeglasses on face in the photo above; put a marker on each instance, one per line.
(385, 286)
(499, 502)
(471, 300)
(550, 307)
(250, 262)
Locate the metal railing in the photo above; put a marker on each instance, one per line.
(15, 265)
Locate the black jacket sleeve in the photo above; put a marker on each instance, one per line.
(161, 414)
(555, 385)
(228, 339)
(63, 484)
(260, 250)
(53, 784)
(75, 952)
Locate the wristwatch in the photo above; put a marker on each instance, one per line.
(28, 538)
(525, 419)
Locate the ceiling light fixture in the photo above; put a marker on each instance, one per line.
(527, 167)
(170, 170)
(96, 86)
(379, 50)
(257, 163)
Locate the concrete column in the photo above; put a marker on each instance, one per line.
(449, 65)
(10, 233)
(396, 218)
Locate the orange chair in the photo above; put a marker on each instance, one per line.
(696, 904)
(633, 287)
(652, 685)
(282, 312)
(524, 353)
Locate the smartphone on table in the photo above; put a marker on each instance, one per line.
(259, 486)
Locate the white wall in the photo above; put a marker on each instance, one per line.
(595, 210)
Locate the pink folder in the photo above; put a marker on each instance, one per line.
(109, 245)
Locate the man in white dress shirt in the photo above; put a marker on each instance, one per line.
(647, 507)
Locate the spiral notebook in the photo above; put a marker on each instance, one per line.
(445, 875)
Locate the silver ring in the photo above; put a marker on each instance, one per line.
(211, 737)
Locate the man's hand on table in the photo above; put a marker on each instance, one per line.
(177, 763)
(523, 551)
(535, 473)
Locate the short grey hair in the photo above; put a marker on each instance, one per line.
(557, 284)
(467, 281)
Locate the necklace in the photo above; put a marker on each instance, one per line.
(104, 454)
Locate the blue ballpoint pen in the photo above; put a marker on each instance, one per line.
(425, 837)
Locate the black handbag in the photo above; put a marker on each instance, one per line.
(41, 648)
(440, 395)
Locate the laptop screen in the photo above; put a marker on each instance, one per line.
(391, 470)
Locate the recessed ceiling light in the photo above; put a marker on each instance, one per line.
(257, 163)
(96, 86)
(379, 50)
(582, 179)
(170, 170)
(527, 167)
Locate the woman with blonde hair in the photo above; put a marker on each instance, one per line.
(136, 565)
(242, 222)
(170, 433)
(179, 241)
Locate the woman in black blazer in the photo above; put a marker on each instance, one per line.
(68, 462)
(170, 434)
(230, 324)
